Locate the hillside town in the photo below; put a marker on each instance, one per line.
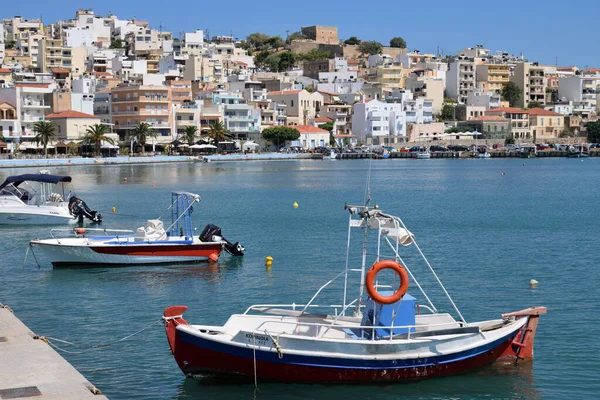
(122, 84)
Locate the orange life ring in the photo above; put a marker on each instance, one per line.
(370, 281)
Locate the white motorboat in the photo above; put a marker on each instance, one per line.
(330, 155)
(152, 244)
(379, 335)
(42, 198)
(423, 153)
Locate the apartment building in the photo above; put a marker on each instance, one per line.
(184, 116)
(485, 99)
(424, 83)
(519, 121)
(271, 113)
(72, 125)
(133, 104)
(301, 105)
(490, 126)
(18, 28)
(392, 76)
(28, 100)
(583, 89)
(9, 122)
(181, 91)
(531, 79)
(52, 54)
(241, 119)
(379, 123)
(492, 76)
(2, 45)
(340, 115)
(460, 79)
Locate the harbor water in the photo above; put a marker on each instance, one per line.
(487, 227)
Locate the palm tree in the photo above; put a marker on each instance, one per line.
(190, 134)
(218, 132)
(95, 134)
(44, 133)
(142, 132)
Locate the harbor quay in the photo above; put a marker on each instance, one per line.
(30, 368)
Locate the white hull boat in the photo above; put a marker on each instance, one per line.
(152, 244)
(41, 199)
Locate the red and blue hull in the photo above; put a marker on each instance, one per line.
(197, 355)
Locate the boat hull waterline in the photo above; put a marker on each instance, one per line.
(198, 352)
(65, 255)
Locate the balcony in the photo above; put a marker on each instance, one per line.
(141, 112)
(33, 104)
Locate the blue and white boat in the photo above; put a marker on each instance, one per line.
(382, 334)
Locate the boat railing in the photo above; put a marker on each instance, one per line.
(86, 230)
(292, 306)
(351, 330)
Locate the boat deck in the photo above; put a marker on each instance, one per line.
(30, 368)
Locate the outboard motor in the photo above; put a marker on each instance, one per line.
(79, 209)
(212, 233)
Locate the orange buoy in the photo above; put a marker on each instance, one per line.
(370, 281)
(154, 185)
(214, 257)
(124, 179)
(80, 231)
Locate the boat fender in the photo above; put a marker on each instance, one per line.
(372, 274)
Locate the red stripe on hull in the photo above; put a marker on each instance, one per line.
(192, 359)
(184, 250)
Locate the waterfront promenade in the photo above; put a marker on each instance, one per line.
(31, 368)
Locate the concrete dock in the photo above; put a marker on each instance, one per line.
(30, 368)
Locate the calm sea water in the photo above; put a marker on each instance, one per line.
(487, 235)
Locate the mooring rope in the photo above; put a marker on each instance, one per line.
(50, 339)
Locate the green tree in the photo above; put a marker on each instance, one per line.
(44, 133)
(95, 134)
(370, 48)
(398, 42)
(272, 62)
(276, 42)
(257, 41)
(448, 113)
(328, 126)
(511, 93)
(593, 132)
(10, 45)
(535, 104)
(218, 133)
(280, 134)
(509, 140)
(259, 59)
(453, 129)
(294, 36)
(286, 61)
(116, 44)
(449, 100)
(352, 40)
(2, 138)
(332, 141)
(142, 132)
(190, 134)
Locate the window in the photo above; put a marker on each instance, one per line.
(292, 103)
(541, 121)
(557, 121)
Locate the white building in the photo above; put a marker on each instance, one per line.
(582, 89)
(102, 106)
(481, 98)
(193, 40)
(28, 100)
(377, 122)
(80, 37)
(460, 79)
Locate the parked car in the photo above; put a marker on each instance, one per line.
(414, 149)
(458, 147)
(438, 148)
(541, 146)
(512, 147)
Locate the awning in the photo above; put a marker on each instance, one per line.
(16, 180)
(109, 146)
(203, 146)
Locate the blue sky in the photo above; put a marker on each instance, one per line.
(542, 31)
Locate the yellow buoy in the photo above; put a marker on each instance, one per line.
(124, 179)
(295, 205)
(114, 209)
(533, 283)
(268, 261)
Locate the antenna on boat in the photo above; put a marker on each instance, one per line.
(368, 188)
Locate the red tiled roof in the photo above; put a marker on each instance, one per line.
(283, 92)
(590, 70)
(353, 61)
(571, 68)
(5, 71)
(511, 110)
(70, 114)
(541, 111)
(323, 119)
(327, 93)
(489, 118)
(60, 71)
(309, 129)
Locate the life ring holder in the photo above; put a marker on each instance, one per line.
(372, 274)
